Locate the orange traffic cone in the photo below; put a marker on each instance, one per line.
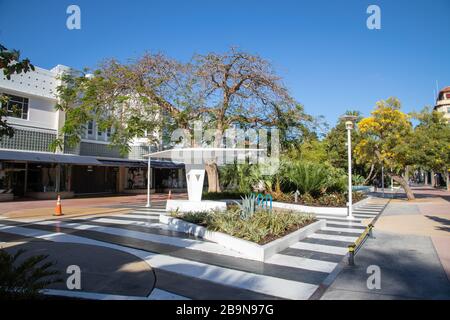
(58, 208)
(170, 195)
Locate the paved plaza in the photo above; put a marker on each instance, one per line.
(411, 245)
(128, 254)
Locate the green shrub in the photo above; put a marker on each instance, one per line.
(24, 280)
(262, 227)
(308, 178)
(283, 196)
(358, 180)
(240, 177)
(222, 195)
(337, 180)
(330, 199)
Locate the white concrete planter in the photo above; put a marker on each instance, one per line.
(249, 249)
(195, 206)
(338, 211)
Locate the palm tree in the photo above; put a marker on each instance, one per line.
(24, 280)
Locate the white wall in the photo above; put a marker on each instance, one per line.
(39, 87)
(41, 83)
(41, 112)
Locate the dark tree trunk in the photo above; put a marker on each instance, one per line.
(447, 179)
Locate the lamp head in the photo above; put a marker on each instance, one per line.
(349, 125)
(349, 121)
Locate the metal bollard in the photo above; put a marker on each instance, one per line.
(351, 254)
(370, 230)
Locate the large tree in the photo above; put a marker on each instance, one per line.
(156, 92)
(243, 89)
(10, 64)
(430, 146)
(386, 135)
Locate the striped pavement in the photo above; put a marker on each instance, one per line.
(187, 267)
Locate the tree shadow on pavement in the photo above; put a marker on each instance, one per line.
(445, 223)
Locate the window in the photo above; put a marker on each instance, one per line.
(90, 127)
(16, 107)
(108, 132)
(447, 96)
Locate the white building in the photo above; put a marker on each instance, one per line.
(29, 168)
(443, 102)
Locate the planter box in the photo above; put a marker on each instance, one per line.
(249, 249)
(338, 211)
(195, 206)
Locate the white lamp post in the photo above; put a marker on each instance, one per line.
(149, 182)
(349, 124)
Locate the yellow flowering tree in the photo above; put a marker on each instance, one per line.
(386, 137)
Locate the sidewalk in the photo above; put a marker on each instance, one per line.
(411, 245)
(38, 209)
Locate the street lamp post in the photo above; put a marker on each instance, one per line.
(349, 124)
(149, 182)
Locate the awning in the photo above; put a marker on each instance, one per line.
(47, 157)
(157, 164)
(160, 164)
(122, 163)
(84, 160)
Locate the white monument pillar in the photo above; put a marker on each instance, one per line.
(195, 176)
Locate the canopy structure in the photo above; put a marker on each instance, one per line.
(47, 157)
(195, 160)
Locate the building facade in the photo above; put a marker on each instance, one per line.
(443, 102)
(28, 167)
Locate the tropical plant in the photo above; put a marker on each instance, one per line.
(337, 180)
(358, 180)
(222, 195)
(261, 227)
(244, 178)
(247, 207)
(24, 280)
(308, 178)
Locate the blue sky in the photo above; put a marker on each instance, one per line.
(328, 58)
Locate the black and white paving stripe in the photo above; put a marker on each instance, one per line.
(188, 267)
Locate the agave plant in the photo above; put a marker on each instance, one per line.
(247, 207)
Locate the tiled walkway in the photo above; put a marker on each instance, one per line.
(188, 267)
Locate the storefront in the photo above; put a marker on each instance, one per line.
(94, 179)
(165, 176)
(44, 175)
(38, 175)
